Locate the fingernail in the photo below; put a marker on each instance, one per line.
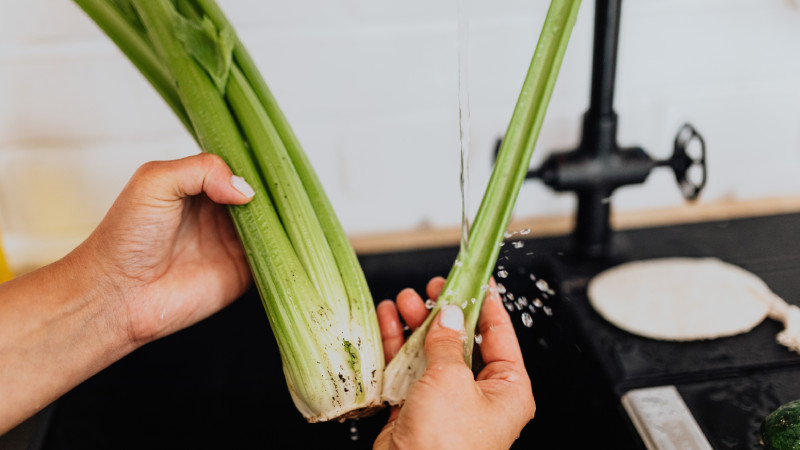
(452, 317)
(240, 185)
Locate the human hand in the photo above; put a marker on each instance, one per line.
(447, 407)
(167, 247)
(165, 256)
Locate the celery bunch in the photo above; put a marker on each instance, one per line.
(314, 292)
(468, 279)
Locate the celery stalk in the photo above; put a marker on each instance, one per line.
(312, 287)
(468, 278)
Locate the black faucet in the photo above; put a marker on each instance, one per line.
(599, 166)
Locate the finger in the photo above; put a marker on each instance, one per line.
(412, 308)
(434, 287)
(174, 180)
(499, 339)
(391, 329)
(444, 344)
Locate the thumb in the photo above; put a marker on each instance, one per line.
(444, 344)
(173, 180)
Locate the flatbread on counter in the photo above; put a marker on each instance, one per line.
(680, 299)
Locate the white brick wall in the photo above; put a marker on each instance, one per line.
(370, 88)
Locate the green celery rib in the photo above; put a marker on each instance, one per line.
(491, 221)
(288, 195)
(474, 265)
(111, 20)
(362, 308)
(511, 167)
(278, 272)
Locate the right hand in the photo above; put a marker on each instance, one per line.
(447, 407)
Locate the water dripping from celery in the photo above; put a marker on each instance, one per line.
(353, 429)
(463, 115)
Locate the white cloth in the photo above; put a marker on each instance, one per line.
(684, 299)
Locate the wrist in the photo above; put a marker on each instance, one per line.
(59, 325)
(102, 293)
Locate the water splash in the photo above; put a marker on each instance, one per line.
(527, 320)
(463, 115)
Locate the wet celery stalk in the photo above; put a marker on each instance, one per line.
(314, 292)
(468, 279)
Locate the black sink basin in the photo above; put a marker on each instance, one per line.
(219, 384)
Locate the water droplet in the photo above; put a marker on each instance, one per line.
(484, 288)
(510, 296)
(518, 305)
(518, 244)
(523, 300)
(509, 307)
(502, 274)
(473, 300)
(547, 310)
(542, 285)
(525, 231)
(458, 263)
(501, 267)
(501, 243)
(531, 308)
(508, 234)
(501, 289)
(533, 277)
(527, 320)
(463, 304)
(478, 339)
(430, 303)
(353, 431)
(537, 303)
(449, 293)
(406, 328)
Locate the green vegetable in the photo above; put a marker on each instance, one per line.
(468, 279)
(781, 429)
(314, 292)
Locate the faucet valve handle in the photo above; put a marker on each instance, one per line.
(688, 161)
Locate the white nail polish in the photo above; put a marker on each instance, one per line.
(240, 185)
(452, 317)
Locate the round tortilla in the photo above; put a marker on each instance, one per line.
(680, 299)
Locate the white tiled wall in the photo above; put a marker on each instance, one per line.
(370, 87)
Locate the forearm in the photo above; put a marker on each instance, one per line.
(58, 326)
